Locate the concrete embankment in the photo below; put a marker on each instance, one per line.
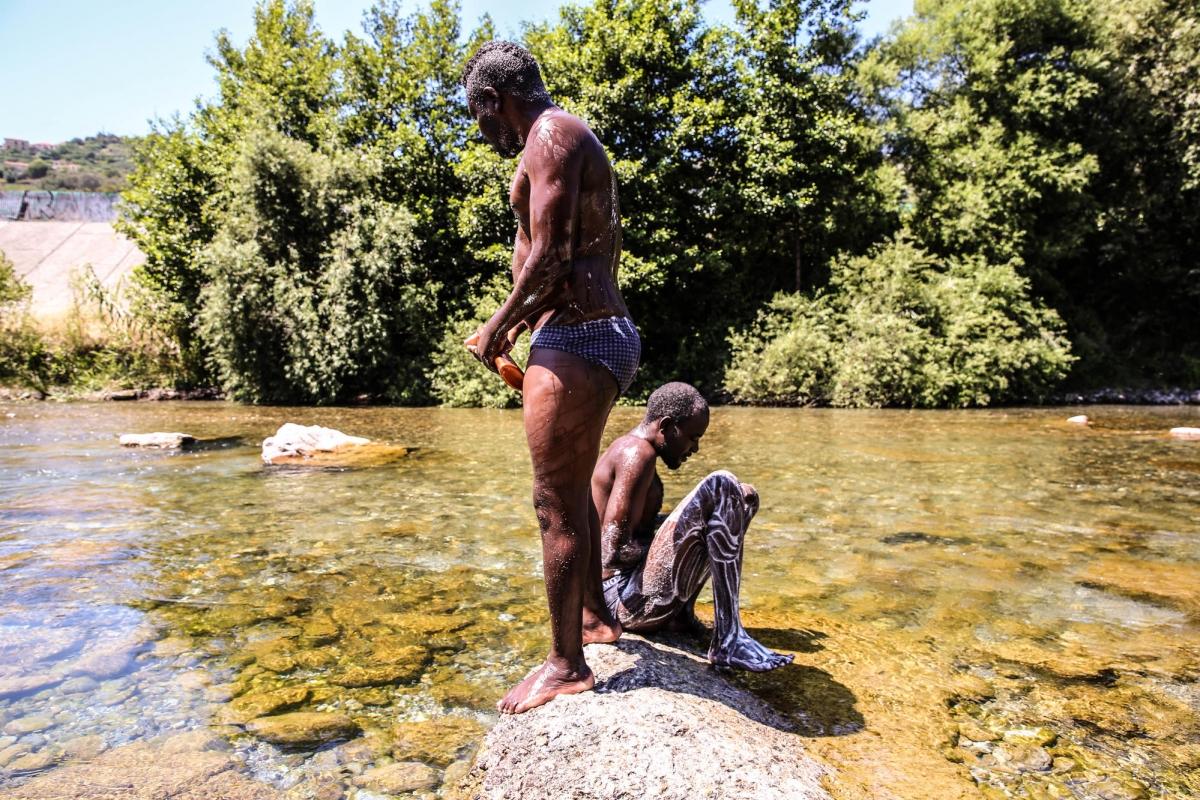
(46, 254)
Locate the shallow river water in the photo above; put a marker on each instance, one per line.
(984, 603)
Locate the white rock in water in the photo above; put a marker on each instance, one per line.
(1186, 433)
(1079, 419)
(303, 441)
(157, 439)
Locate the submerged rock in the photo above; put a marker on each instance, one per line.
(173, 767)
(1079, 419)
(406, 776)
(159, 439)
(304, 729)
(1186, 433)
(661, 724)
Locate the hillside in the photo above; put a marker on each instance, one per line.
(97, 163)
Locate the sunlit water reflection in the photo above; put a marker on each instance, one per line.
(944, 577)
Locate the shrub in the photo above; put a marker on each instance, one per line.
(900, 327)
(313, 293)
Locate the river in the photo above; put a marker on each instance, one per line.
(981, 603)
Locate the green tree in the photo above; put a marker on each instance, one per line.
(37, 168)
(313, 290)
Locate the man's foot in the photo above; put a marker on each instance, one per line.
(544, 684)
(746, 653)
(599, 629)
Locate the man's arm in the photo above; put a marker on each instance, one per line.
(626, 502)
(554, 181)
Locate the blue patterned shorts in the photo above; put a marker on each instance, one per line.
(613, 343)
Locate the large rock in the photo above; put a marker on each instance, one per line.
(164, 440)
(294, 442)
(660, 724)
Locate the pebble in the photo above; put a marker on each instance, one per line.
(405, 776)
(1078, 419)
(32, 762)
(1113, 789)
(30, 724)
(12, 752)
(78, 685)
(84, 747)
(1039, 736)
(1185, 433)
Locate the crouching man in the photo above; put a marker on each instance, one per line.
(652, 577)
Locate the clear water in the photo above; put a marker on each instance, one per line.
(945, 578)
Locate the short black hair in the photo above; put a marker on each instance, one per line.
(676, 400)
(506, 67)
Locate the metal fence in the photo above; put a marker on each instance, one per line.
(60, 206)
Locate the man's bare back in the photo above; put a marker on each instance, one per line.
(563, 151)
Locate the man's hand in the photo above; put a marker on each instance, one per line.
(487, 343)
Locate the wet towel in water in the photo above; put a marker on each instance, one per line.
(613, 343)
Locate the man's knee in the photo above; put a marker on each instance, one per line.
(724, 482)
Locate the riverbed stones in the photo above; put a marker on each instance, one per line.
(385, 675)
(304, 728)
(1166, 583)
(318, 631)
(158, 439)
(398, 778)
(78, 685)
(435, 741)
(21, 685)
(30, 724)
(164, 768)
(32, 762)
(263, 704)
(662, 722)
(82, 748)
(1021, 758)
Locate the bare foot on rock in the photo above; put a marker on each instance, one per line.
(600, 628)
(548, 681)
(747, 653)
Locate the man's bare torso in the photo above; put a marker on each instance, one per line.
(631, 457)
(564, 142)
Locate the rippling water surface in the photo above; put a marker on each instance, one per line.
(981, 603)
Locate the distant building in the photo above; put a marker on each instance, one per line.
(43, 146)
(16, 144)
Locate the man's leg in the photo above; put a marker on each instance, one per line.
(599, 624)
(703, 536)
(567, 401)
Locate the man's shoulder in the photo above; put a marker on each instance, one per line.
(633, 452)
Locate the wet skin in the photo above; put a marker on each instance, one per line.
(564, 269)
(627, 489)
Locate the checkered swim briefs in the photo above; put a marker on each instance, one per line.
(613, 343)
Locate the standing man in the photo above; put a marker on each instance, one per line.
(584, 348)
(652, 577)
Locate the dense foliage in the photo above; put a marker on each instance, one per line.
(1000, 194)
(900, 327)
